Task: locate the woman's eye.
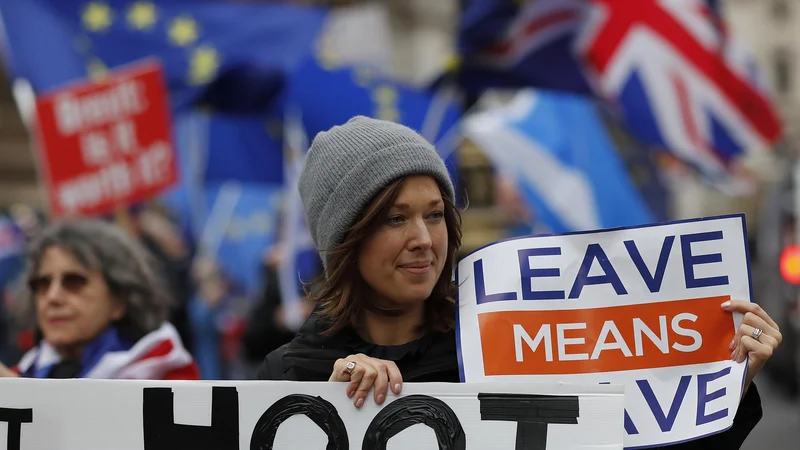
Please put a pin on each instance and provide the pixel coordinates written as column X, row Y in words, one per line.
column 437, row 215
column 396, row 220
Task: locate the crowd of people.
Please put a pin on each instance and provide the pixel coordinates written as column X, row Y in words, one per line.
column 226, row 331
column 124, row 298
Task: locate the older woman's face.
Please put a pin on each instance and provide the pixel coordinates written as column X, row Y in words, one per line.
column 403, row 259
column 73, row 304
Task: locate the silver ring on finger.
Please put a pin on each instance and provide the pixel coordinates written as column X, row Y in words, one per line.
column 350, row 367
column 757, row 332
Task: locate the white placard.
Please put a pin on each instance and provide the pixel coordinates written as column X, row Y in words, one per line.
column 143, row 415
column 636, row 306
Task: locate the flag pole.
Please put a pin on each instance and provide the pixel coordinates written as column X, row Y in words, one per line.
column 296, row 142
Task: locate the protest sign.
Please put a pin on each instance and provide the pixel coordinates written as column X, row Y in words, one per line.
column 106, row 143
column 143, row 415
column 637, row 306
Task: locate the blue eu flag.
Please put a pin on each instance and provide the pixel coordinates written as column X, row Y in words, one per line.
column 328, row 96
column 233, row 55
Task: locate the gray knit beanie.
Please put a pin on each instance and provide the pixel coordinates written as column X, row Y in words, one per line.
column 349, row 164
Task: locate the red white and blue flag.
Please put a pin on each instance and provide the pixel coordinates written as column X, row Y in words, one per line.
column 675, row 76
column 159, row 355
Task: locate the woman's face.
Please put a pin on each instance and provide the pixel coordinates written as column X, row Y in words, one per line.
column 403, row 259
column 73, row 304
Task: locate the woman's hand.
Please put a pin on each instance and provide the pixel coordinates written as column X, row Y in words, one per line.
column 745, row 345
column 5, row 372
column 363, row 373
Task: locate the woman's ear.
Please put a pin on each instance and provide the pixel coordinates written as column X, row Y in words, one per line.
column 118, row 309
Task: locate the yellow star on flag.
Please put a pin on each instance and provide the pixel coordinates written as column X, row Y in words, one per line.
column 96, row 69
column 97, row 16
column 363, row 76
column 328, row 59
column 142, row 15
column 203, row 65
column 390, row 114
column 385, row 95
column 183, row 31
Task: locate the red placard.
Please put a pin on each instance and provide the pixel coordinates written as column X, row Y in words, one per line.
column 106, row 144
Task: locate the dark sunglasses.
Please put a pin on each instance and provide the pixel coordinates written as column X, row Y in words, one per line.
column 71, row 282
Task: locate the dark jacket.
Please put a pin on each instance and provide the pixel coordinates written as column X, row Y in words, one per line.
column 310, row 357
column 263, row 335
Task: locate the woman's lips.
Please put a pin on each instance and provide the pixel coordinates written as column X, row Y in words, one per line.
column 417, row 268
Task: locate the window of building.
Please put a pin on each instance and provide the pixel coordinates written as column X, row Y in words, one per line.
column 783, row 71
column 780, row 9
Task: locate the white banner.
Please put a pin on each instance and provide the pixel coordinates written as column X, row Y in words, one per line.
column 144, row 415
column 639, row 307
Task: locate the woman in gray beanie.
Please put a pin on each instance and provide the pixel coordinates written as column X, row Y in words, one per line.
column 379, row 204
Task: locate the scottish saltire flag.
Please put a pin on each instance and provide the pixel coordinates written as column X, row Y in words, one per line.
column 233, row 55
column 556, row 147
column 675, row 79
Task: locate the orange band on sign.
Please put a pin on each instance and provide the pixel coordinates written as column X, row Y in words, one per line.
column 629, row 337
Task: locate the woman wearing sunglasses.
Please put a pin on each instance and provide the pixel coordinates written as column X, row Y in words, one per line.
column 100, row 309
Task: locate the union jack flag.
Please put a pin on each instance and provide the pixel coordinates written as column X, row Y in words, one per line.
column 676, row 77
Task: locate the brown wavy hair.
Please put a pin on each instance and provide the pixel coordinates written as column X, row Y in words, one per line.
column 343, row 294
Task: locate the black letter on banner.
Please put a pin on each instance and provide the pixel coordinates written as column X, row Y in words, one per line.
column 411, row 410
column 15, row 419
column 162, row 433
column 532, row 414
column 322, row 412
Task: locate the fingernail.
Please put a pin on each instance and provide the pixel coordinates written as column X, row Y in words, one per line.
column 733, row 353
column 726, row 304
column 359, row 402
column 397, row 388
column 350, row 394
column 732, row 345
column 380, row 398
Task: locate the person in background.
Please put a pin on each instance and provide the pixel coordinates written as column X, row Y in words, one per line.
column 29, row 220
column 205, row 309
column 99, row 307
column 165, row 241
column 267, row 328
column 516, row 216
column 379, row 204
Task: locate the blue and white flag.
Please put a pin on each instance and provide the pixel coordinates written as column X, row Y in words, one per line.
column 557, row 149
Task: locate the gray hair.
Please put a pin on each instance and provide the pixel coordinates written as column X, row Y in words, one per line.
column 127, row 267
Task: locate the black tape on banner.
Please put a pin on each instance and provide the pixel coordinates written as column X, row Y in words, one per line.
column 162, row 433
column 15, row 418
column 407, row 411
column 533, row 413
column 319, row 410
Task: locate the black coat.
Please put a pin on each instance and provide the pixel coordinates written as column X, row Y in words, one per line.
column 433, row 358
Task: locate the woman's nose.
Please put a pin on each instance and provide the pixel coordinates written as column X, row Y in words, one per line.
column 420, row 238
column 55, row 291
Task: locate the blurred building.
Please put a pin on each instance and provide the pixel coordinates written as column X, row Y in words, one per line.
column 771, row 29
column 18, row 176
